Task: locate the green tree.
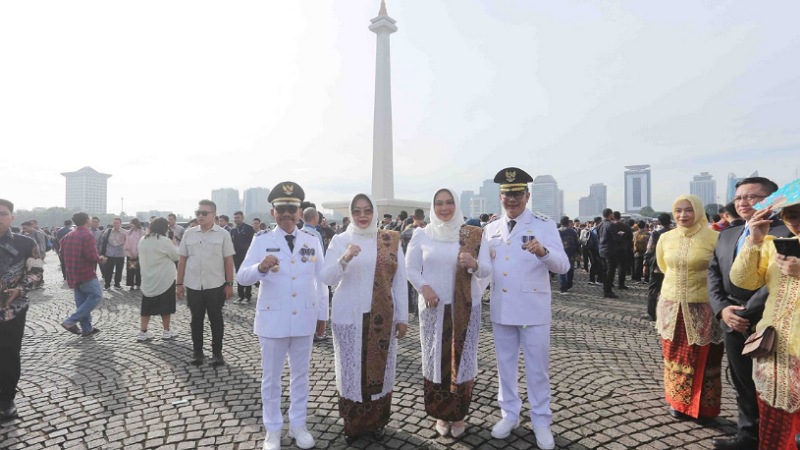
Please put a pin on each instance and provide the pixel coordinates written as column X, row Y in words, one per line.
column 648, row 212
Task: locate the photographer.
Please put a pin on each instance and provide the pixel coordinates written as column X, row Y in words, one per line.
column 20, row 270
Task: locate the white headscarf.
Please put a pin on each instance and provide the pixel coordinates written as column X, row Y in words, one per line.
column 372, row 230
column 442, row 231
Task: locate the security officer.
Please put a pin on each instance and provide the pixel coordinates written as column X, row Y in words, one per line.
column 522, row 248
column 292, row 306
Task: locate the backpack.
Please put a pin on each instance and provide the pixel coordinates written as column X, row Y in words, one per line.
column 48, row 245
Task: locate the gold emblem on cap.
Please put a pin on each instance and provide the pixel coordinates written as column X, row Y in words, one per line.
column 288, row 189
column 511, row 175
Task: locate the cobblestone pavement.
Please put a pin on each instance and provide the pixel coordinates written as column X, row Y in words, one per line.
column 110, row 391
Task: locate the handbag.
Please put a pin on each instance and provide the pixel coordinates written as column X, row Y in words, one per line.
column 760, row 344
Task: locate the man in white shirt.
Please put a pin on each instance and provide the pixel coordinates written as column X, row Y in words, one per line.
column 205, row 279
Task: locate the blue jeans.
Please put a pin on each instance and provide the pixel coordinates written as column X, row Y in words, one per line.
column 565, row 280
column 87, row 296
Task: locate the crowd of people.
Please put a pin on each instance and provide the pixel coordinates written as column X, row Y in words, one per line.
column 715, row 286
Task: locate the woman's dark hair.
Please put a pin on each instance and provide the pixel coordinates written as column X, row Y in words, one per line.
column 158, row 227
column 135, row 223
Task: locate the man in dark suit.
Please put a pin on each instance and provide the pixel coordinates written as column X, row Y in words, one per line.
column 609, row 242
column 739, row 310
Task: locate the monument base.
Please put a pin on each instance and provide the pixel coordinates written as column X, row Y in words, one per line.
column 391, row 206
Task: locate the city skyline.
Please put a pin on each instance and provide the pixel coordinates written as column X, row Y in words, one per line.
column 705, row 187
column 203, row 105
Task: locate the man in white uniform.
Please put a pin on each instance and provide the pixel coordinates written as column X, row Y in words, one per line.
column 292, row 306
column 521, row 248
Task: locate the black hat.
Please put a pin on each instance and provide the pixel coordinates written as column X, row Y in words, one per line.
column 387, row 216
column 286, row 193
column 512, row 179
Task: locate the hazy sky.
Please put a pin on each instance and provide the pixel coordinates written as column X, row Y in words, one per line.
column 177, row 98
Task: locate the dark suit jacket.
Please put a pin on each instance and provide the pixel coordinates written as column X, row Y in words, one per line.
column 608, row 239
column 722, row 293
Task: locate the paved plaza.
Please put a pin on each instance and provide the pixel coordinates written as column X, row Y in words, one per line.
column 112, row 392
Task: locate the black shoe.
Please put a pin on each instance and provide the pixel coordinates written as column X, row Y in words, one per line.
column 349, row 439
column 610, row 295
column 624, row 288
column 677, row 414
column 8, row 412
column 739, row 442
column 198, row 359
column 379, row 434
column 217, row 360
column 94, row 331
column 71, row 328
column 116, row 286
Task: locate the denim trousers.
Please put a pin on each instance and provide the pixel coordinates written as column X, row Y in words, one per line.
column 88, row 295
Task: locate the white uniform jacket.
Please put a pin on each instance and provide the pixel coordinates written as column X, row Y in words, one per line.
column 292, row 299
column 520, row 279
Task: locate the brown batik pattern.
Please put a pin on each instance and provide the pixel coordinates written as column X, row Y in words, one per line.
column 378, row 323
column 365, row 417
column 450, row 400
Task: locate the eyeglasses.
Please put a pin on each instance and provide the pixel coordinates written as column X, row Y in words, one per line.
column 363, row 212
column 291, row 209
column 750, row 198
column 199, row 213
column 514, row 194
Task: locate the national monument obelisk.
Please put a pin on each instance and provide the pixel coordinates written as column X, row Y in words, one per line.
column 382, row 146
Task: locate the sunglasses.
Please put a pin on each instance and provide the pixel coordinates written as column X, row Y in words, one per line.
column 365, row 212
column 199, row 213
column 291, row 209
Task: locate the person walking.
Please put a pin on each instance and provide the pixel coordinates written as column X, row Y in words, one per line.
column 157, row 258
column 81, row 259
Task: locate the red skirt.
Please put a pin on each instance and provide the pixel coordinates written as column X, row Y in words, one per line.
column 692, row 381
column 776, row 427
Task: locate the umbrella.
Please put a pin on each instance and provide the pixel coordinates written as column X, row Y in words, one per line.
column 787, row 195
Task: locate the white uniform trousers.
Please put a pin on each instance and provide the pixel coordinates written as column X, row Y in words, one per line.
column 535, row 341
column 273, row 357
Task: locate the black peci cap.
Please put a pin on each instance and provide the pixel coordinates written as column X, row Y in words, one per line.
column 286, row 193
column 512, row 179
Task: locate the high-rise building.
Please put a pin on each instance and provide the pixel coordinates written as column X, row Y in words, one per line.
column 594, row 204
column 546, row 197
column 732, row 180
column 227, row 200
column 490, row 191
column 477, row 206
column 637, row 188
column 87, row 190
column 464, row 202
column 705, row 187
column 255, row 201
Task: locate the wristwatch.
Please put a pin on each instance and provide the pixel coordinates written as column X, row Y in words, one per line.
column 229, row 283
